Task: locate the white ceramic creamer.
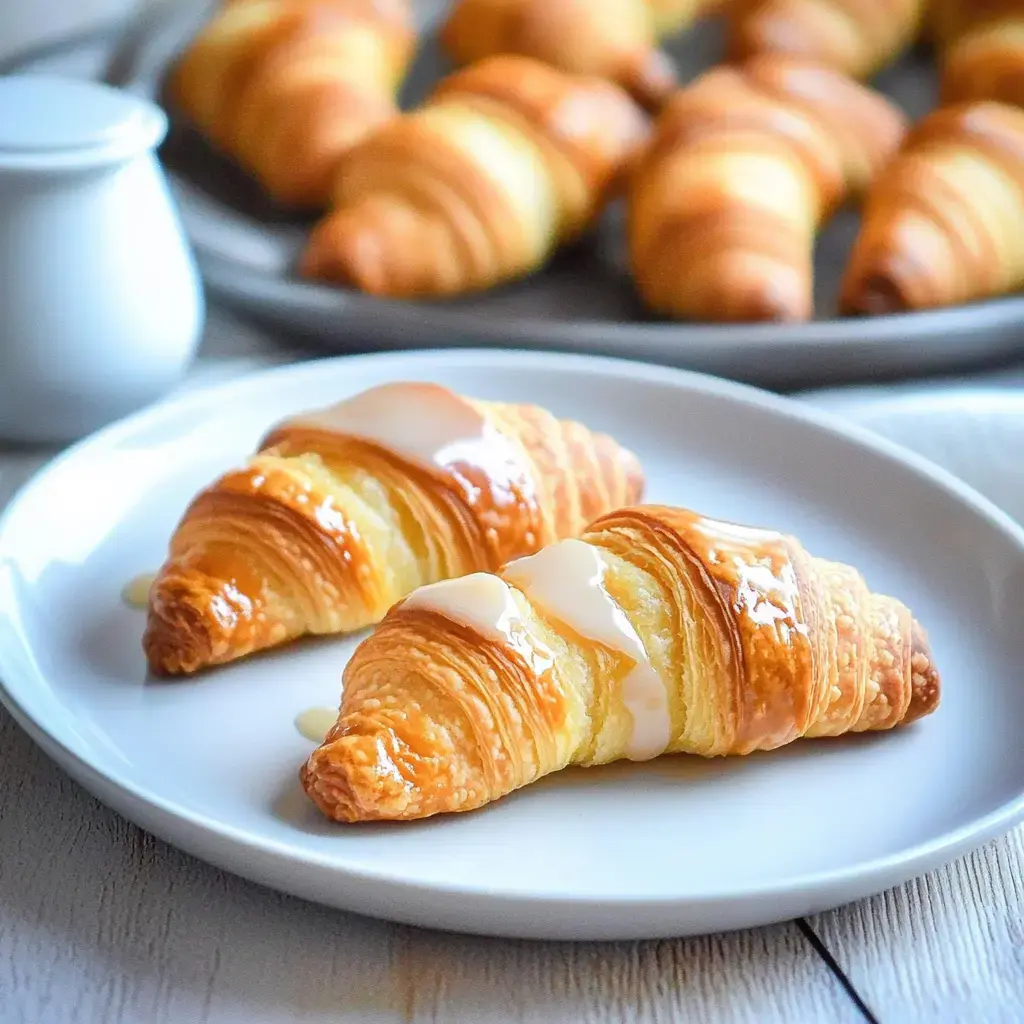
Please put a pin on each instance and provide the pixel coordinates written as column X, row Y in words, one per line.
column 101, row 305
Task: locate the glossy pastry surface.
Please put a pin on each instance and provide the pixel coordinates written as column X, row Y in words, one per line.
column 944, row 223
column 658, row 631
column 507, row 160
column 345, row 510
column 746, row 164
column 287, row 87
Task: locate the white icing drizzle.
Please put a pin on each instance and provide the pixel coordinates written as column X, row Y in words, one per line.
column 567, row 581
column 423, row 423
column 314, row 723
column 484, row 603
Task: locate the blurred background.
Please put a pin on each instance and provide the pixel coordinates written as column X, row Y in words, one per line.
column 27, row 22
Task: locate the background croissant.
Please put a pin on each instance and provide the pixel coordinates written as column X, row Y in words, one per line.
column 286, row 87
column 745, row 165
column 344, row 511
column 982, row 47
column 944, row 223
column 660, row 631
column 506, row 161
column 858, row 37
column 616, row 39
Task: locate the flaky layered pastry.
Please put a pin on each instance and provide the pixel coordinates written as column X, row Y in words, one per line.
column 857, row 37
column 746, row 164
column 658, row 631
column 982, row 50
column 345, row 510
column 944, row 223
column 286, row 87
column 507, row 160
column 615, row 39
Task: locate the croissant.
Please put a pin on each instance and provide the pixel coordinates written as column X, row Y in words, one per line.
column 615, row 39
column 982, row 46
column 658, row 631
column 745, row 164
column 286, row 87
column 345, row 510
column 858, row 37
column 944, row 224
column 507, row 160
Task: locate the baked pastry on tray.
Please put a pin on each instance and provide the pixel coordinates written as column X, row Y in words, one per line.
column 507, row 160
column 981, row 43
column 857, row 37
column 616, row 39
column 286, row 87
column 658, row 631
column 944, row 223
column 745, row 166
column 345, row 510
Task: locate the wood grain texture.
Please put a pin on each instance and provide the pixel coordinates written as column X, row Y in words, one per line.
column 101, row 924
column 948, row 946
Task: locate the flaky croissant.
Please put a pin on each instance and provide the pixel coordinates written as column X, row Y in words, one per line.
column 658, row 632
column 857, row 37
column 746, row 163
column 982, row 50
column 507, row 160
column 345, row 510
column 615, row 39
column 286, row 87
column 944, row 223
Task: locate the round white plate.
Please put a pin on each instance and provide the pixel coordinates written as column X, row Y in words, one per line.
column 976, row 433
column 678, row 846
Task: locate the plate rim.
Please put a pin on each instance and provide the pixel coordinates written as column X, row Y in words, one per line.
column 173, row 820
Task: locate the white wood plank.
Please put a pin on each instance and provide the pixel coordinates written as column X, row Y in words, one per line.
column 102, row 924
column 946, row 947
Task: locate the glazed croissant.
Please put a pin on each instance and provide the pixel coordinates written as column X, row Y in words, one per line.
column 657, row 632
column 982, row 44
column 745, row 165
column 286, row 87
column 944, row 224
column 507, row 160
column 345, row 510
column 615, row 39
column 858, row 37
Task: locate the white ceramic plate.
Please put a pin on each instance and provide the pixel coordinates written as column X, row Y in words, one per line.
column 674, row 847
column 975, row 432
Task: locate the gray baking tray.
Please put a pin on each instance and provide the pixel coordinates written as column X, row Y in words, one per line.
column 584, row 301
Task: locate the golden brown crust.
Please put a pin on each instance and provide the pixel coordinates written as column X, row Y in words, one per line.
column 756, row 641
column 856, row 37
column 286, row 87
column 944, row 223
column 506, row 161
column 612, row 39
column 745, row 164
column 982, row 50
column 322, row 532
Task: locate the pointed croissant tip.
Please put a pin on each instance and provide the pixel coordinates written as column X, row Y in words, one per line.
column 336, row 253
column 926, row 684
column 177, row 639
column 651, row 80
column 349, row 782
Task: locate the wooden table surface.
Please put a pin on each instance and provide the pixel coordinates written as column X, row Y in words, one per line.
column 100, row 923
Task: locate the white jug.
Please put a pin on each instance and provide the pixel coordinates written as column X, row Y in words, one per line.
column 101, row 305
